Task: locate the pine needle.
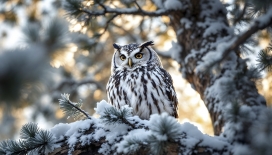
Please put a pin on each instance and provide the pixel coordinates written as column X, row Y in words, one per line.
column 72, row 109
column 29, row 130
column 265, row 60
column 113, row 115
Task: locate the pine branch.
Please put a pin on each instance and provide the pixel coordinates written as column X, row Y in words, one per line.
column 72, row 109
column 73, row 83
column 108, row 23
column 113, row 115
column 241, row 15
column 265, row 60
column 138, row 6
column 33, row 141
column 29, row 130
column 257, row 25
column 75, row 8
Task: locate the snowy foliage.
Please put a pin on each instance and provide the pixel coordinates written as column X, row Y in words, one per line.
column 33, row 141
column 128, row 134
column 159, row 132
column 173, row 5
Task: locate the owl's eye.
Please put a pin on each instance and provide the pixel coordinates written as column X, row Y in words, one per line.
column 138, row 55
column 122, row 57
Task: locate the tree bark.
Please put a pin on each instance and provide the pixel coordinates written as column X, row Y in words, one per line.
column 196, row 43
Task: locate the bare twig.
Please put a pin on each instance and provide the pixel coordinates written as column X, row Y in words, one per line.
column 103, row 6
column 78, row 83
column 134, row 38
column 82, row 111
column 108, row 23
column 139, row 7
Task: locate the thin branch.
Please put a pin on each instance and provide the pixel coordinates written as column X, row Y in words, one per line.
column 78, row 83
column 107, row 24
column 258, row 24
column 128, row 123
column 103, row 6
column 82, row 111
column 134, row 38
column 126, row 11
column 139, row 7
column 236, row 20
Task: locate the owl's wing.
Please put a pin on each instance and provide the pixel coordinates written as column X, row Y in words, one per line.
column 170, row 91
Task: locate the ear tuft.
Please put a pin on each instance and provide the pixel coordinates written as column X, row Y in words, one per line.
column 148, row 43
column 117, row 46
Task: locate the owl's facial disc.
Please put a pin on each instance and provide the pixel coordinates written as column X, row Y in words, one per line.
column 131, row 59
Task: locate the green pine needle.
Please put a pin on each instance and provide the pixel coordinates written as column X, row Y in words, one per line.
column 113, row 115
column 72, row 109
column 73, row 7
column 29, row 130
column 33, row 141
column 270, row 46
column 133, row 144
column 3, row 147
column 164, row 129
column 265, row 60
column 157, row 147
column 55, row 34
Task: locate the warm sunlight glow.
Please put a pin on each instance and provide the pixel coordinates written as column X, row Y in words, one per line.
column 97, row 94
column 191, row 107
column 64, row 57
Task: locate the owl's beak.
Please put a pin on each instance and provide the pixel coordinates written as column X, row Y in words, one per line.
column 130, row 62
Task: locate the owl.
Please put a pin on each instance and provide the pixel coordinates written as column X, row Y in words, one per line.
column 139, row 80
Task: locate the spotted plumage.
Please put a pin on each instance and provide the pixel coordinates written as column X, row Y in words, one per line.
column 138, row 80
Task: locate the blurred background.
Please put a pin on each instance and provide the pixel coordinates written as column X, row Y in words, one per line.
column 45, row 52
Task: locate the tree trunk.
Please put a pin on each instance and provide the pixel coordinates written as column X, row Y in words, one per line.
column 198, row 34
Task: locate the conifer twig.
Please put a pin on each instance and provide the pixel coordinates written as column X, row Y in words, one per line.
column 69, row 106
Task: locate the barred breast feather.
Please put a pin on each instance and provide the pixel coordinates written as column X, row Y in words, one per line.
column 147, row 90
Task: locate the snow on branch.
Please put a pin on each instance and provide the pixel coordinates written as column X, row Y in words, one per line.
column 33, row 141
column 76, row 7
column 109, row 135
column 162, row 134
column 259, row 24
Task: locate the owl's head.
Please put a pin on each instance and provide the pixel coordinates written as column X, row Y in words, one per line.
column 134, row 55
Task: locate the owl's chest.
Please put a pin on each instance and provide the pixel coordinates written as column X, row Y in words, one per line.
column 131, row 81
column 141, row 81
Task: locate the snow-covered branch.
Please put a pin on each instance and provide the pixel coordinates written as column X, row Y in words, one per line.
column 204, row 44
column 257, row 25
column 160, row 134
